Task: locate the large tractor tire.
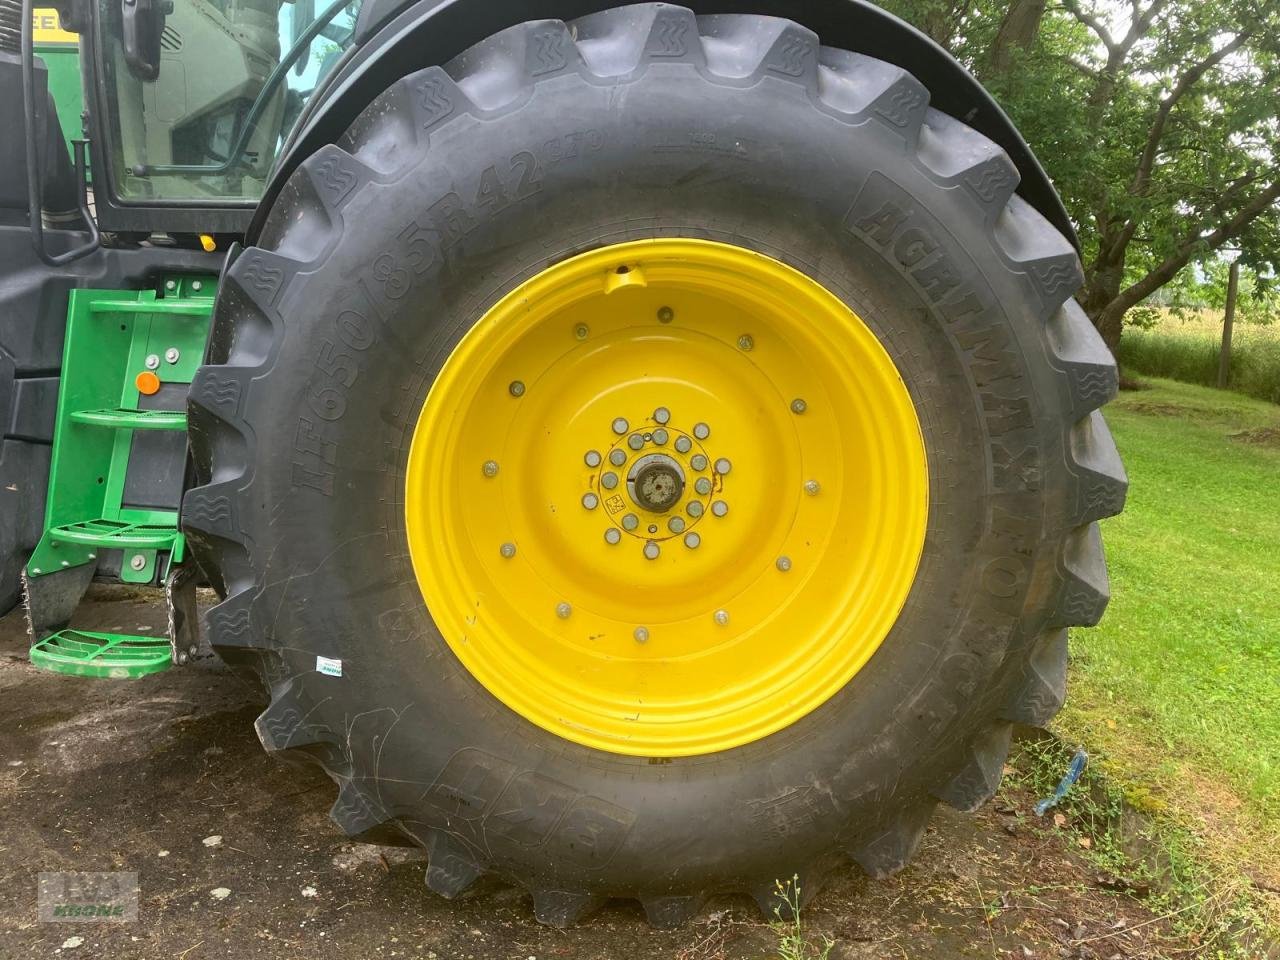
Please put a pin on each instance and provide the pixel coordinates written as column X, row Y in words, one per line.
column 651, row 456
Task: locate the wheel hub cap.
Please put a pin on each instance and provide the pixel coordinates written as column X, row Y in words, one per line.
column 695, row 520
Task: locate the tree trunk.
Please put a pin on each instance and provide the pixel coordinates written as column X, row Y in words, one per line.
column 1018, row 32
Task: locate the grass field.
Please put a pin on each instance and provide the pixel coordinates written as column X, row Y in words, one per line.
column 1179, row 688
column 1188, row 349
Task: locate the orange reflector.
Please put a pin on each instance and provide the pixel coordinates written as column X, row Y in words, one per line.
column 206, row 241
column 147, row 382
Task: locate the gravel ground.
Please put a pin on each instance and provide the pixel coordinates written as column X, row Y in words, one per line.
column 141, row 775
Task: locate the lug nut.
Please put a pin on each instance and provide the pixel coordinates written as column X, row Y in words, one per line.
column 152, row 361
column 694, row 509
column 702, row 485
column 590, row 501
column 508, row 550
column 612, row 536
column 516, row 388
column 723, row 466
column 691, row 540
column 592, row 459
column 172, row 355
column 620, row 426
column 609, row 480
column 701, row 431
column 659, row 436
column 666, row 314
column 783, row 564
column 811, row 487
column 581, row 331
column 490, row 468
column 798, row 406
column 698, row 461
column 719, row 508
column 683, row 444
column 651, row 551
column 641, row 634
column 675, row 525
column 721, row 617
column 563, row 610
column 630, row 521
column 617, row 457
column 138, row 561
column 635, row 441
column 662, row 415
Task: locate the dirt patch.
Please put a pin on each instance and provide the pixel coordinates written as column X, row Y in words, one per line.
column 136, row 775
column 1130, row 383
column 1263, row 436
column 1155, row 408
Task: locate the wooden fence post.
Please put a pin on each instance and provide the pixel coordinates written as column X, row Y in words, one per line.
column 1228, row 321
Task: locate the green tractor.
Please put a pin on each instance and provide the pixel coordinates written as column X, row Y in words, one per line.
column 640, row 451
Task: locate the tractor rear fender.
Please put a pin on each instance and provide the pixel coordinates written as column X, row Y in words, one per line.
column 394, row 38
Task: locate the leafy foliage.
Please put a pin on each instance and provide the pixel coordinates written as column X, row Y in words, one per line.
column 1158, row 120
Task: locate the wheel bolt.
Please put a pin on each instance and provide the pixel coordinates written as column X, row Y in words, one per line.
column 798, row 406
column 662, row 415
column 666, row 314
column 617, row 457
column 675, row 524
column 698, row 461
column 516, row 389
column 490, row 468
column 691, row 540
column 651, row 550
column 783, row 564
column 701, row 431
column 702, row 485
column 592, row 459
column 723, row 466
column 746, row 342
column 694, row 509
column 719, row 508
column 563, row 610
column 721, row 617
column 581, row 331
column 683, row 444
column 508, row 550
column 635, row 441
column 612, row 536
column 811, row 487
column 641, row 634
column 609, row 480
column 630, row 522
column 590, row 501
column 620, row 426
column 659, row 436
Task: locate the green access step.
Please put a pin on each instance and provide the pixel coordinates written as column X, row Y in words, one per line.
column 122, row 419
column 115, row 656
column 171, row 306
column 115, row 534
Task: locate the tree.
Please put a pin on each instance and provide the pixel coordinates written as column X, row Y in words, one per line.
column 1159, row 121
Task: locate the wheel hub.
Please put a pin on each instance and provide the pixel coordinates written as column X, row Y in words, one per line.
column 696, row 518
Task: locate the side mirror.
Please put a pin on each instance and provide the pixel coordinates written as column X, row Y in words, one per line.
column 142, row 22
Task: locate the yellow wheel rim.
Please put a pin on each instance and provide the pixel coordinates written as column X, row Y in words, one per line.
column 666, row 498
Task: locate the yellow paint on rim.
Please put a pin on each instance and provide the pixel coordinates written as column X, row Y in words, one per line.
column 746, row 616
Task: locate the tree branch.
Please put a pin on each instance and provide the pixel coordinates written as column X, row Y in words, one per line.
column 1168, row 268
column 1142, row 176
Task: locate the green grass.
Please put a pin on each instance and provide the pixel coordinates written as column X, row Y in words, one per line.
column 1188, row 350
column 1180, row 684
